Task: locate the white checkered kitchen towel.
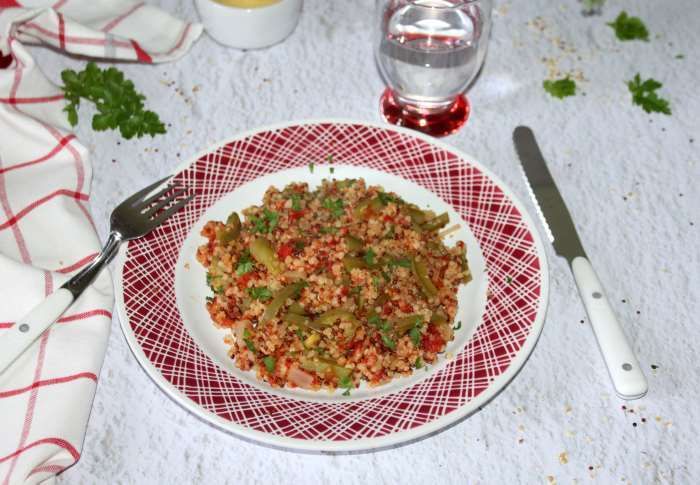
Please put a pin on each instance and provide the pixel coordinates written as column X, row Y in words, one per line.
column 46, row 233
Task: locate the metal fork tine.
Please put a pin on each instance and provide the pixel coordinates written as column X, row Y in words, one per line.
column 143, row 192
column 145, row 203
column 152, row 210
column 172, row 210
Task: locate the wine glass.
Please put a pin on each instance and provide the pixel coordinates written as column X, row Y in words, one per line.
column 428, row 52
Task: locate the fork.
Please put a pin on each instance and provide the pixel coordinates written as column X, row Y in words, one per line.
column 135, row 217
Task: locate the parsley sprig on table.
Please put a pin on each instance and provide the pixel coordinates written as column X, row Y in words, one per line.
column 118, row 104
column 560, row 88
column 644, row 95
column 629, row 28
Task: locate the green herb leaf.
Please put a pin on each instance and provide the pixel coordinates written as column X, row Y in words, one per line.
column 311, row 167
column 680, row 56
column 419, row 363
column 331, row 170
column 375, row 320
column 644, row 95
column 335, row 206
column 369, row 257
column 247, row 341
column 629, row 28
column 388, row 342
column 458, row 326
column 296, row 202
column 560, row 88
column 345, row 381
column 245, row 264
column 270, row 362
column 299, row 334
column 328, row 230
column 347, row 392
column 265, row 223
column 118, row 104
column 509, row 280
column 259, row 293
column 415, row 335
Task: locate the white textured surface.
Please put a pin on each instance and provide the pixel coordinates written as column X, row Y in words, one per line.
column 630, row 180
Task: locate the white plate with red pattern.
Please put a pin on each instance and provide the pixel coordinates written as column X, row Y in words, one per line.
column 161, row 289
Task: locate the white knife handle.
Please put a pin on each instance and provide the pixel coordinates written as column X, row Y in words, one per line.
column 627, row 376
column 22, row 334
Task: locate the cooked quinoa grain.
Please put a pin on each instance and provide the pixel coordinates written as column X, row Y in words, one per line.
column 330, row 287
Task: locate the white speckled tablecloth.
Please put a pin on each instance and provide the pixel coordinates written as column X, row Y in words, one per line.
column 630, row 180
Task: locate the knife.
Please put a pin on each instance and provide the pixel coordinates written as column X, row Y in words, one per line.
column 623, row 367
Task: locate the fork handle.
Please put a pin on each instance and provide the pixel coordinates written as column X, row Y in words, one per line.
column 623, row 367
column 23, row 333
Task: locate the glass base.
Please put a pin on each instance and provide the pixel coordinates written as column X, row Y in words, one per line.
column 431, row 122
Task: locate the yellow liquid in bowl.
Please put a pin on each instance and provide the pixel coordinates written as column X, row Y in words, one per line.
column 247, row 3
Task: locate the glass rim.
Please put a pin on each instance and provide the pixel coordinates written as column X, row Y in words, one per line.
column 456, row 4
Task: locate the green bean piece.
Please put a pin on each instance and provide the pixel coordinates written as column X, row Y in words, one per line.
column 262, row 251
column 329, row 318
column 404, row 324
column 361, row 207
column 314, row 366
column 297, row 309
column 351, row 262
column 417, row 216
column 420, row 271
column 353, row 243
column 437, row 222
column 438, row 318
column 278, row 301
column 303, row 322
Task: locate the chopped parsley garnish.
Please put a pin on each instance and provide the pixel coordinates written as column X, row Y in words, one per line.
column 509, row 280
column 329, row 159
column 458, row 326
column 267, row 222
column 415, row 335
column 328, row 230
column 680, row 56
column 209, row 280
column 345, row 381
column 331, row 169
column 375, row 320
column 629, row 28
column 419, row 363
column 376, row 281
column 347, row 392
column 247, row 341
column 369, row 257
column 299, row 334
column 296, row 202
column 259, row 293
column 311, row 167
column 560, row 88
column 644, row 95
column 335, row 206
column 388, row 342
column 270, row 362
column 245, row 264
column 210, row 299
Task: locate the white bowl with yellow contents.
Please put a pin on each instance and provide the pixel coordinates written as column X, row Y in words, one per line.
column 249, row 24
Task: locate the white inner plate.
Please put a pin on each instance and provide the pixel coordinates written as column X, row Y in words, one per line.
column 191, row 288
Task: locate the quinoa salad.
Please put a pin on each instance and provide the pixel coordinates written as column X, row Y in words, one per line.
column 326, row 288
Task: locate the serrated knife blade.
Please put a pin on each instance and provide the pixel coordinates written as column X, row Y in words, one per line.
column 623, row 367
